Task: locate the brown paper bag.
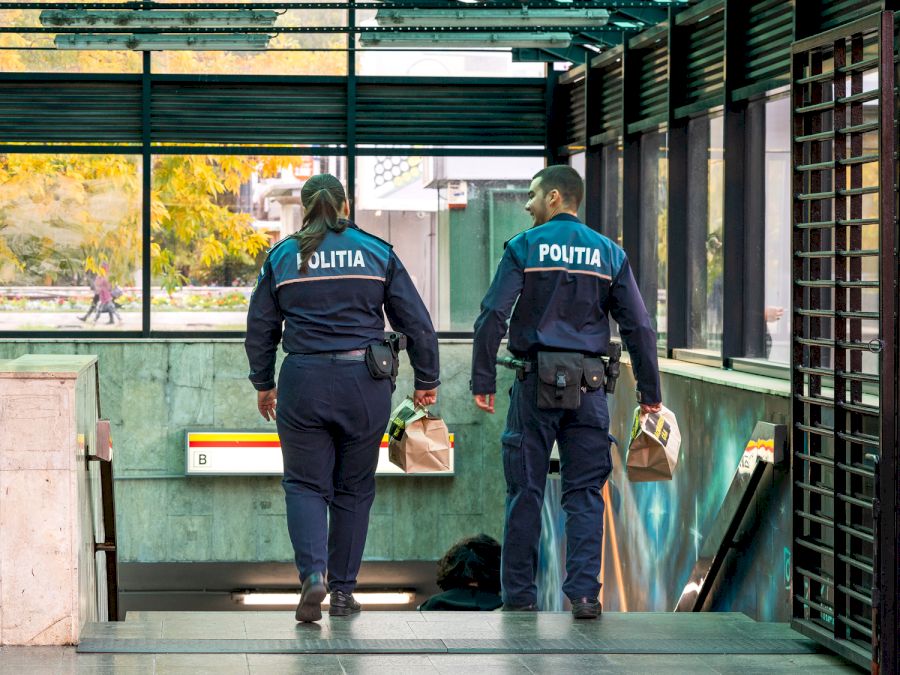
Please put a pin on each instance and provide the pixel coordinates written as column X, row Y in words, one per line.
column 654, row 445
column 418, row 441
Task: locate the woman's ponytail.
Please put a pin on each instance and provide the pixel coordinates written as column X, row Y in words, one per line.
column 322, row 197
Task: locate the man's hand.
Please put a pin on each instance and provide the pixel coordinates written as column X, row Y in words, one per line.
column 485, row 402
column 647, row 408
column 425, row 397
column 266, row 401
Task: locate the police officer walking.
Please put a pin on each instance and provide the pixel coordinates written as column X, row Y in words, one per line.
column 568, row 279
column 330, row 286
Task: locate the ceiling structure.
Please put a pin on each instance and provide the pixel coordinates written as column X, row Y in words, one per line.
column 536, row 30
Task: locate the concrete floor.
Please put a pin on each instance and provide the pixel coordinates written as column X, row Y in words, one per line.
column 431, row 642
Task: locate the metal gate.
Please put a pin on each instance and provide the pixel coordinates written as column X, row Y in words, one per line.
column 844, row 368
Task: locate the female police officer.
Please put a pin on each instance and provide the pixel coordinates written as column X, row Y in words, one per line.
column 328, row 285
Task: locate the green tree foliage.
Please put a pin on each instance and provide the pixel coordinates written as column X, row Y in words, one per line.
column 61, row 216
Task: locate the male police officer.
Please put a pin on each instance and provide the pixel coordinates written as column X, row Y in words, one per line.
column 568, row 279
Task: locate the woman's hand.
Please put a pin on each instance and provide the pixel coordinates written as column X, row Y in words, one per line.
column 267, row 401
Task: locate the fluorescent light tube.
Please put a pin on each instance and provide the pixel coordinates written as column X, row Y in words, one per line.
column 473, row 40
column 492, row 17
column 292, row 599
column 154, row 42
column 153, row 18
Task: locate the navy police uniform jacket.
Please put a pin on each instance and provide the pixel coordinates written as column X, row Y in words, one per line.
column 337, row 305
column 568, row 280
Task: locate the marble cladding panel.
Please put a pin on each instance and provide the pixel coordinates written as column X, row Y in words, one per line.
column 38, row 558
column 48, row 508
column 36, row 429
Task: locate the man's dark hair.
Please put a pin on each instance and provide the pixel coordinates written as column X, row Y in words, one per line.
column 474, row 560
column 566, row 180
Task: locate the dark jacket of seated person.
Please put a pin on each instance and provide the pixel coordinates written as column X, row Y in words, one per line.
column 469, row 576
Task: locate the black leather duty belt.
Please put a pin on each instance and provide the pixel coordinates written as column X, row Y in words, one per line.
column 352, row 355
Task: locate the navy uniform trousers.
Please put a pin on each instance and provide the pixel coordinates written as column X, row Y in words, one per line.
column 331, row 418
column 585, row 463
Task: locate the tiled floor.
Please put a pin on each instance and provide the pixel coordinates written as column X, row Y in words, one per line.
column 467, row 643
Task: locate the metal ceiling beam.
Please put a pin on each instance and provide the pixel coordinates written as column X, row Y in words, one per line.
column 271, row 30
column 612, row 5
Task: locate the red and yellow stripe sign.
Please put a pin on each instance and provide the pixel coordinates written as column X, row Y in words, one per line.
column 247, row 439
column 760, row 444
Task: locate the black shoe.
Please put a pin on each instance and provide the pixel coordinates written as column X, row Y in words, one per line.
column 311, row 597
column 585, row 608
column 343, row 604
column 519, row 608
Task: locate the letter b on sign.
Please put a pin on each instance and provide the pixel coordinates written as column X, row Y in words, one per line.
column 201, row 459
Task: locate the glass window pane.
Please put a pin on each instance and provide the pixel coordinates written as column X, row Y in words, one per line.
column 393, row 60
column 70, row 242
column 578, row 161
column 36, row 53
column 447, row 218
column 654, row 229
column 214, row 219
column 706, row 173
column 310, row 53
column 611, row 209
column 777, row 276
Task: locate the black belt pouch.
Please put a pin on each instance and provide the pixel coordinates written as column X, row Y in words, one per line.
column 380, row 361
column 559, row 380
column 594, row 373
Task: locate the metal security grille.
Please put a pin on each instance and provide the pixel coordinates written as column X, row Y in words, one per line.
column 608, row 108
column 77, row 110
column 219, row 110
column 451, row 112
column 705, row 69
column 844, row 342
column 768, row 41
column 652, row 72
column 575, row 115
column 259, row 112
column 836, row 12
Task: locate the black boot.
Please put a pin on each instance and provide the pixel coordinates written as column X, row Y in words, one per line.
column 343, row 604
column 585, row 608
column 311, row 596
